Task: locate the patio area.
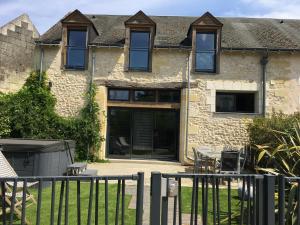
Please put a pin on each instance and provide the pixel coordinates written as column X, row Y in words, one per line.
column 128, row 167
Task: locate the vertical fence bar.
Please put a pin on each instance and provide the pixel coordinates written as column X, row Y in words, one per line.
column 106, row 201
column 61, row 197
column 155, row 207
column 254, row 202
column 196, row 199
column 78, row 204
column 298, row 200
column 179, row 202
column 3, row 204
column 39, row 203
column 23, row 220
column 89, row 219
column 67, row 202
column 175, row 210
column 242, row 203
column 13, row 201
column 269, row 200
column 123, row 203
column 118, row 203
column 140, row 199
column 203, row 199
column 214, row 199
column 52, row 202
column 229, row 200
column 218, row 201
column 260, row 202
column 192, row 202
column 206, row 200
column 97, row 203
column 281, row 199
column 248, row 199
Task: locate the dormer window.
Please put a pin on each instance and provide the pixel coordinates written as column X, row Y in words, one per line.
column 76, row 49
column 205, row 52
column 77, row 31
column 139, row 50
column 205, row 33
column 139, row 40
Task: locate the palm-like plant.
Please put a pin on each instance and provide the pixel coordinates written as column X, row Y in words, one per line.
column 283, row 159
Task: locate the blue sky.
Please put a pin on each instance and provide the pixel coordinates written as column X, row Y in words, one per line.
column 44, row 13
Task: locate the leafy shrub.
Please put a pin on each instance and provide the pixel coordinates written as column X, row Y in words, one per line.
column 261, row 131
column 30, row 113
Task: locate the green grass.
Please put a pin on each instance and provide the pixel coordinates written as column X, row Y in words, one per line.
column 235, row 206
column 85, row 189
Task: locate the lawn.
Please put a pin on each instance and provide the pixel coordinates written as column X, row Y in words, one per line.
column 129, row 213
column 235, row 206
column 85, row 188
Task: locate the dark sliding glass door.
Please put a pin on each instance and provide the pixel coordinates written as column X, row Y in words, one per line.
column 142, row 133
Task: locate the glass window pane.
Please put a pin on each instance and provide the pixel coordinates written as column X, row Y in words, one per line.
column 139, row 40
column 235, row 102
column 169, row 96
column 138, row 59
column 225, row 102
column 205, row 61
column 205, row 41
column 144, row 95
column 75, row 57
column 119, row 95
column 77, row 38
column 245, row 102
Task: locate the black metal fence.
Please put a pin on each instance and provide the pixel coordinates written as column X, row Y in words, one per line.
column 64, row 200
column 175, row 199
column 224, row 199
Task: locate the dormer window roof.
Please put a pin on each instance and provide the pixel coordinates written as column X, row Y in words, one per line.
column 140, row 33
column 205, row 33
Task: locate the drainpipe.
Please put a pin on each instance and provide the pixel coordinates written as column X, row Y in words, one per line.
column 187, row 110
column 264, row 61
column 41, row 64
column 93, row 68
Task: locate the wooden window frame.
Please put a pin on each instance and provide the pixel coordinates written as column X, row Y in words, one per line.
column 149, row 51
column 235, row 93
column 65, row 36
column 214, row 51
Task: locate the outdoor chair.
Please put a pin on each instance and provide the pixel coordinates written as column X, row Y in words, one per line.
column 7, row 171
column 203, row 162
column 230, row 162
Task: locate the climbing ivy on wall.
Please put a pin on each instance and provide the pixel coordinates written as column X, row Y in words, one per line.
column 30, row 113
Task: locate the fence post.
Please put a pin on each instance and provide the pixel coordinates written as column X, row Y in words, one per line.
column 140, row 199
column 259, row 201
column 155, row 204
column 281, row 200
column 269, row 199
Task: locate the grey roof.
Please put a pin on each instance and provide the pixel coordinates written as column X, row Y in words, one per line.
column 171, row 31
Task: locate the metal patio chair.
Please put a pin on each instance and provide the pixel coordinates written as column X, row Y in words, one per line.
column 7, row 171
column 203, row 162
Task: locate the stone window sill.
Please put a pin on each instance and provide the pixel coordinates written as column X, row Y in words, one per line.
column 237, row 113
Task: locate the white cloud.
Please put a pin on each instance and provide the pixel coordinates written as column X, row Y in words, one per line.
column 273, row 8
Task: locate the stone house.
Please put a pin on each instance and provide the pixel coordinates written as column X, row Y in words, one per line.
column 167, row 84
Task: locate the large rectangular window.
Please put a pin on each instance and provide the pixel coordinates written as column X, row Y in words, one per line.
column 76, row 49
column 235, row 102
column 139, row 50
column 205, row 60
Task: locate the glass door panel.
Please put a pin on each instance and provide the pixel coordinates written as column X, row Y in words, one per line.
column 142, row 134
column 119, row 133
column 165, row 134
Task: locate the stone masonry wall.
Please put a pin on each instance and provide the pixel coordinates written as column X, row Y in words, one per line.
column 69, row 86
column 240, row 71
column 17, row 50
